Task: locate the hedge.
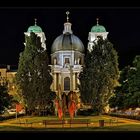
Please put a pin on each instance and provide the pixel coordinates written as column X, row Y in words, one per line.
column 2, row 118
column 124, row 116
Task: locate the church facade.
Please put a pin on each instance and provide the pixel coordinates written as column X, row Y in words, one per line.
column 67, row 55
column 67, row 58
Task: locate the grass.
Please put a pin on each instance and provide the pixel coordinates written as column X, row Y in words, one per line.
column 123, row 124
column 116, row 128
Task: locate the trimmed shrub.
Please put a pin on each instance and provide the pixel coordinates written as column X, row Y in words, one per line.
column 84, row 112
column 124, row 116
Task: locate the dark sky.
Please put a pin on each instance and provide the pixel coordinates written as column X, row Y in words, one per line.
column 123, row 25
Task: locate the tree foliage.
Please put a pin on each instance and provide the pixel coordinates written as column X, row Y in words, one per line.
column 33, row 75
column 121, row 93
column 129, row 90
column 99, row 75
column 5, row 98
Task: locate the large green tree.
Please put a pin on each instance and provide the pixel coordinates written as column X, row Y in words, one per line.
column 33, row 76
column 127, row 95
column 133, row 96
column 134, row 83
column 99, row 75
column 121, row 94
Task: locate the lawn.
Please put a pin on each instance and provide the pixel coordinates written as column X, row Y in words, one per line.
column 122, row 125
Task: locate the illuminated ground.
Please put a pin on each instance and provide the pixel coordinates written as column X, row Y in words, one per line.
column 122, row 125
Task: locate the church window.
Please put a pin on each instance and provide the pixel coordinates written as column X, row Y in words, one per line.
column 66, row 83
column 55, row 61
column 66, row 65
column 67, row 60
column 79, row 60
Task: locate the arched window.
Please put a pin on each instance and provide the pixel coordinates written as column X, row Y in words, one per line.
column 66, row 83
column 55, row 61
column 79, row 60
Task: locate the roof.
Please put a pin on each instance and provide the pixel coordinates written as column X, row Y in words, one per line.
column 35, row 29
column 98, row 28
column 66, row 42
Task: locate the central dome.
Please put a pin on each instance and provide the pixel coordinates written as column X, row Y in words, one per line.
column 66, row 42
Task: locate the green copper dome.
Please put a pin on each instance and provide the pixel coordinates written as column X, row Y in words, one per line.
column 35, row 29
column 98, row 28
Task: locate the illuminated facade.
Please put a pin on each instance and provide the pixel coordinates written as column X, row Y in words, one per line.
column 96, row 30
column 7, row 75
column 67, row 57
column 38, row 31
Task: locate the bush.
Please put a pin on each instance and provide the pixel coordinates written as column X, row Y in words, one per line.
column 85, row 112
column 3, row 118
column 125, row 116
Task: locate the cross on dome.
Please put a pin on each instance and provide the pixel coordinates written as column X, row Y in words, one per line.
column 67, row 13
column 97, row 21
column 35, row 21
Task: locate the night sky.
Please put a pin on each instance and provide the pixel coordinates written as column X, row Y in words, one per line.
column 123, row 25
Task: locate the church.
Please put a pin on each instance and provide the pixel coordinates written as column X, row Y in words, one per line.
column 67, row 55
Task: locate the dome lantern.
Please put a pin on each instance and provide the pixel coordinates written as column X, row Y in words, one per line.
column 67, row 25
column 67, row 41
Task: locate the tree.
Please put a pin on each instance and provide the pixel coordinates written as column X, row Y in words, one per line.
column 134, row 83
column 33, row 75
column 99, row 75
column 127, row 94
column 5, row 98
column 121, row 94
